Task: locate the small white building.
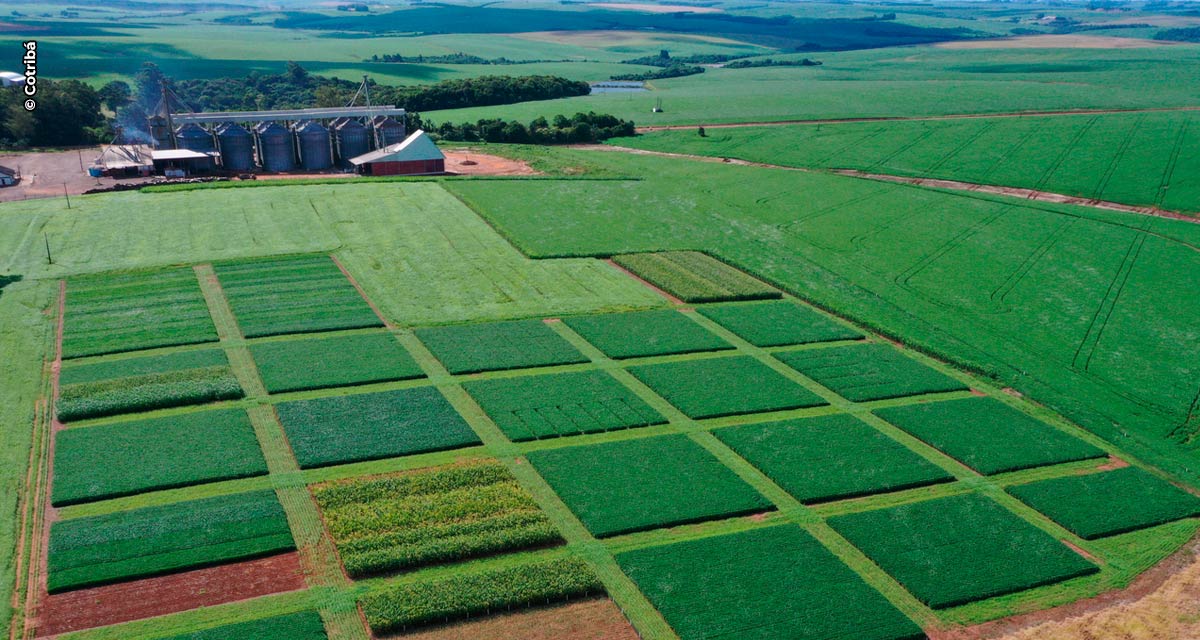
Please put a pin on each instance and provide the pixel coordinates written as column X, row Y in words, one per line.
column 10, row 79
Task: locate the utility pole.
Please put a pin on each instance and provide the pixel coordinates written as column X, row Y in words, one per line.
column 67, row 195
column 81, row 160
column 49, row 258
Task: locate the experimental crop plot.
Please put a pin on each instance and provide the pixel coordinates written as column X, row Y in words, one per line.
column 952, row 551
column 300, row 294
column 494, row 346
column 635, row 485
column 370, row 426
column 297, row 365
column 305, row 625
column 715, row 387
column 866, row 372
column 830, row 458
column 988, row 435
column 146, row 383
column 126, row 458
column 562, row 404
column 777, row 323
column 693, row 276
column 112, row 313
column 645, row 333
column 383, row 524
column 1103, row 504
column 774, row 582
column 465, row 595
column 126, row 545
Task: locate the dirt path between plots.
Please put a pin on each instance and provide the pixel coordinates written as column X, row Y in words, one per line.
column 1161, row 604
column 951, row 116
column 111, row 604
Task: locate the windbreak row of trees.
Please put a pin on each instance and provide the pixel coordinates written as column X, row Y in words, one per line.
column 576, row 129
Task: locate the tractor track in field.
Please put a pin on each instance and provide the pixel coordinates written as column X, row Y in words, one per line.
column 952, row 116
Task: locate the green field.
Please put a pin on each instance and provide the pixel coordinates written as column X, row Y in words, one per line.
column 634, row 485
column 305, row 625
column 952, row 551
column 97, row 550
column 1105, row 504
column 692, row 276
column 730, row 586
column 135, row 311
column 297, row 365
column 292, row 295
column 715, row 387
column 774, row 324
column 861, row 373
column 645, row 333
column 988, row 436
column 830, row 458
column 384, row 524
column 498, row 345
column 369, row 426
column 561, row 404
column 126, row 458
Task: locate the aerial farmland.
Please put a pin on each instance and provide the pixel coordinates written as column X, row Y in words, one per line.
column 671, row 321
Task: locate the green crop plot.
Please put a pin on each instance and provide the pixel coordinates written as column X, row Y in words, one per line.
column 777, row 323
column 635, row 485
column 292, row 295
column 127, row 545
column 775, row 582
column 693, row 276
column 715, row 387
column 470, row 594
column 1107, row 503
column 865, row 372
column 383, row 524
column 829, row 458
column 146, row 383
column 645, row 333
column 296, row 365
column 955, row 550
column 494, row 346
column 988, row 435
column 126, row 312
column 561, row 404
column 370, row 426
column 125, row 458
column 305, row 625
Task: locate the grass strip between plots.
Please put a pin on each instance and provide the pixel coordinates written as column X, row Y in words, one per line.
column 384, row 524
column 470, row 594
column 126, row 545
column 1108, row 503
column 126, row 458
column 298, row 365
column 693, row 276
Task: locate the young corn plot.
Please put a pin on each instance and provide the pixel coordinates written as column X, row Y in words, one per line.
column 693, row 276
column 112, row 313
column 866, row 372
column 777, row 323
column 300, row 294
column 319, row 363
column 645, row 333
column 146, row 383
column 132, row 457
column 384, row 524
column 563, row 404
column 126, row 545
column 747, row 386
column 496, row 346
column 466, row 595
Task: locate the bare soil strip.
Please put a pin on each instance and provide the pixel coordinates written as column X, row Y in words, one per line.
column 596, row 619
column 100, row 606
column 952, row 116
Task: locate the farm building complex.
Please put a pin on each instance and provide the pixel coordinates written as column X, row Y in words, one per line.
column 416, row 155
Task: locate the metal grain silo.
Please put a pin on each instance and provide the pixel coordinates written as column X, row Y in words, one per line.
column 160, row 133
column 315, row 153
column 195, row 137
column 237, row 147
column 352, row 138
column 275, row 151
column 390, row 131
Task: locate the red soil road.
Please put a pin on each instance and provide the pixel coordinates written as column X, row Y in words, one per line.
column 111, row 604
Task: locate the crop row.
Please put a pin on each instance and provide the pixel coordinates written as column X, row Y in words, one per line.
column 695, row 277
column 147, row 392
column 467, row 595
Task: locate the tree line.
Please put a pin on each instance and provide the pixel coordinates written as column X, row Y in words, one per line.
column 577, row 129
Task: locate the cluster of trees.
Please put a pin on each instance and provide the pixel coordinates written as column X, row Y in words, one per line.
column 452, row 58
column 664, row 59
column 67, row 114
column 672, row 71
column 480, row 92
column 579, row 128
column 770, row 62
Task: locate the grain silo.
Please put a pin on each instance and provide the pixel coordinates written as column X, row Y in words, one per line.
column 160, row 133
column 195, row 137
column 237, row 147
column 388, row 131
column 275, row 151
column 352, row 138
column 315, row 152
